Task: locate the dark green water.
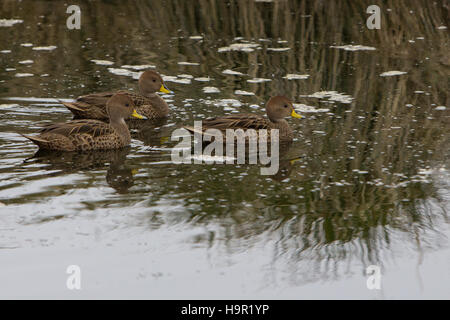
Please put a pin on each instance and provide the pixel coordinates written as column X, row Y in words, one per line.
column 370, row 184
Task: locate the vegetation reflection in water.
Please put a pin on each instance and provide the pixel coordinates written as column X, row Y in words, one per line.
column 371, row 169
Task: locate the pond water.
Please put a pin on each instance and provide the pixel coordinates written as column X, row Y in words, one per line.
column 365, row 182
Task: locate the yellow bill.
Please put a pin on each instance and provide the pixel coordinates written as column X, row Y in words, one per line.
column 137, row 115
column 163, row 140
column 295, row 114
column 164, row 89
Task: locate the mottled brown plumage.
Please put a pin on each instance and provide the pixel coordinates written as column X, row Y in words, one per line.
column 148, row 103
column 277, row 109
column 84, row 135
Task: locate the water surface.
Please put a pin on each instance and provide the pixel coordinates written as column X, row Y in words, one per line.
column 369, row 184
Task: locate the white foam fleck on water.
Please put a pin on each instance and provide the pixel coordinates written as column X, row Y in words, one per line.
column 244, row 47
column 45, row 48
column 227, row 103
column 303, row 108
column 182, row 81
column 203, row 79
column 136, row 75
column 21, row 75
column 419, row 91
column 360, row 171
column 392, row 73
column 258, row 80
column 139, row 67
column 425, row 172
column 350, row 47
column 291, row 76
column 196, row 37
column 210, row 90
column 26, row 44
column 5, row 51
column 176, row 79
column 9, row 106
column 169, row 78
column 10, row 69
column 9, row 22
column 278, row 49
column 103, row 62
column 243, row 93
column 441, row 27
column 123, row 72
column 331, row 95
column 440, row 108
column 26, row 61
column 187, row 76
column 186, row 63
column 231, row 72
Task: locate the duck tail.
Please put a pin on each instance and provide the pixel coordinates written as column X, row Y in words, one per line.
column 36, row 140
column 72, row 107
column 192, row 129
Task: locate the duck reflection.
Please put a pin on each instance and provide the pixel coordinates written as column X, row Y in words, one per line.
column 118, row 175
column 152, row 133
column 286, row 159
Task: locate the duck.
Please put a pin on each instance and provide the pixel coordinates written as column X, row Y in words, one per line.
column 88, row 134
column 148, row 103
column 277, row 109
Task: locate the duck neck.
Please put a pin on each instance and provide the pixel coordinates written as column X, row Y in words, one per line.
column 285, row 129
column 120, row 126
column 158, row 103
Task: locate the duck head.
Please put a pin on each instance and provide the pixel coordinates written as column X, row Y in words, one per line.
column 280, row 107
column 121, row 107
column 150, row 82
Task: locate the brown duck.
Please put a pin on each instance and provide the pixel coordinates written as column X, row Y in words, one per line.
column 148, row 103
column 85, row 135
column 277, row 109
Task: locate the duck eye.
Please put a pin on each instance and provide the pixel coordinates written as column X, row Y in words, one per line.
column 285, row 105
column 127, row 104
column 154, row 80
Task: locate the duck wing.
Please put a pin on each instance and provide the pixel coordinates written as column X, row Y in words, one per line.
column 236, row 121
column 98, row 98
column 93, row 128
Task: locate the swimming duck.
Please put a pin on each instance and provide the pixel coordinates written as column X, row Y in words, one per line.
column 277, row 108
column 148, row 103
column 85, row 135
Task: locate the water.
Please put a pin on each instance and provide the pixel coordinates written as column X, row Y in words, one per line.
column 365, row 182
